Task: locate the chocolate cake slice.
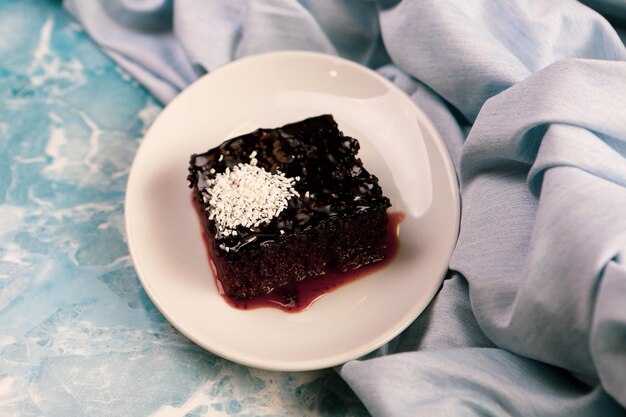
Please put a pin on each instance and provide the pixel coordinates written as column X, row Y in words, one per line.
column 283, row 205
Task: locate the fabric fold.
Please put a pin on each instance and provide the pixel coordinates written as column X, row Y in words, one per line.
column 479, row 382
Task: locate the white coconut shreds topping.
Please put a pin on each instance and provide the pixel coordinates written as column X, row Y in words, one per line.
column 247, row 196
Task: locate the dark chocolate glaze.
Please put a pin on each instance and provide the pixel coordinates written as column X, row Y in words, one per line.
column 314, row 150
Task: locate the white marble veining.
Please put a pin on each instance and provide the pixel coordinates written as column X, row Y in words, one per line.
column 78, row 335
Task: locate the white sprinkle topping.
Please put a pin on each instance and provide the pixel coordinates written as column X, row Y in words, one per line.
column 253, row 155
column 282, row 232
column 253, row 162
column 221, row 158
column 247, row 196
column 212, row 171
column 306, row 194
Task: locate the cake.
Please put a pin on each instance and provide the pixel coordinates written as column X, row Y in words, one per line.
column 282, row 205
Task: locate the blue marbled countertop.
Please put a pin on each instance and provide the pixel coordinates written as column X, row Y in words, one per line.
column 78, row 335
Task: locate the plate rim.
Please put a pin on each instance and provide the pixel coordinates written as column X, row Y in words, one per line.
column 340, row 358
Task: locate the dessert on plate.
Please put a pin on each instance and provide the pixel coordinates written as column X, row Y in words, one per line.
column 283, row 205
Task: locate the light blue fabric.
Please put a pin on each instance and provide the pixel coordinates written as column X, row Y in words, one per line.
column 530, row 96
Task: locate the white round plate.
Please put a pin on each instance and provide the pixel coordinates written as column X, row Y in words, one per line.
column 398, row 144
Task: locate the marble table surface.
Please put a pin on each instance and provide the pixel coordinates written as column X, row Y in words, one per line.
column 78, row 335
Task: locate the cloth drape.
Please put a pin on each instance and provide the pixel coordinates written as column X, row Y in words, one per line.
column 530, row 97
